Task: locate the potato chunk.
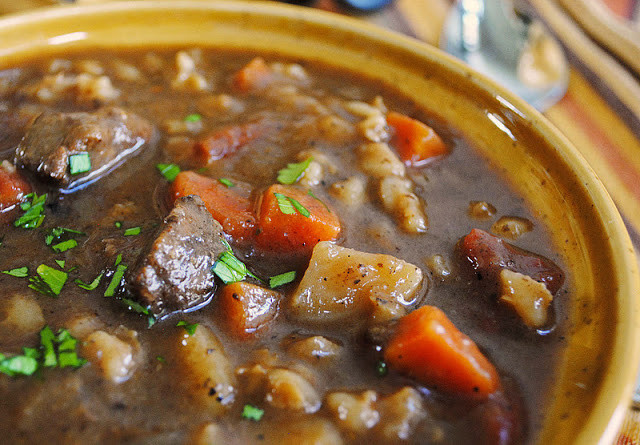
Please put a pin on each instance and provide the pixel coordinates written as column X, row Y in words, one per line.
column 205, row 371
column 316, row 349
column 529, row 298
column 354, row 413
column 399, row 414
column 113, row 356
column 344, row 284
column 289, row 390
column 22, row 315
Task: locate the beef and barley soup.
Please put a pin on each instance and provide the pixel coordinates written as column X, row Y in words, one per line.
column 200, row 246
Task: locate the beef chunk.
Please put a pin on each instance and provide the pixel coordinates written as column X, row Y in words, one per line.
column 109, row 135
column 176, row 274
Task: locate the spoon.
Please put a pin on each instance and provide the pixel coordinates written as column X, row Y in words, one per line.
column 510, row 48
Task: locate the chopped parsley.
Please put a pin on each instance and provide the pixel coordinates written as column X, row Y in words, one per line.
column 293, row 172
column 226, row 182
column 282, row 279
column 33, row 212
column 381, row 368
column 195, row 117
column 229, row 268
column 161, row 359
column 251, row 412
column 48, row 281
column 67, row 355
column 310, row 193
column 18, row 364
column 56, row 234
column 189, row 327
column 289, row 206
column 64, row 246
column 79, row 163
column 133, row 231
column 116, row 279
column 47, row 337
column 19, row 272
column 169, row 171
column 60, row 263
column 90, row 286
column 118, row 224
column 140, row 309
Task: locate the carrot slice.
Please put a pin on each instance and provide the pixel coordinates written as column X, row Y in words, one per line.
column 428, row 347
column 253, row 76
column 415, row 142
column 233, row 211
column 295, row 232
column 228, row 140
column 13, row 188
column 246, row 308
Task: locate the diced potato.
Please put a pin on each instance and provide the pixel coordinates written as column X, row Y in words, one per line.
column 399, row 200
column 481, row 210
column 528, row 298
column 379, row 161
column 316, row 349
column 289, row 390
column 313, row 175
column 343, row 284
column 205, row 371
column 311, row 431
column 439, row 267
column 399, row 414
column 22, row 315
column 113, row 356
column 511, row 227
column 82, row 325
column 351, row 191
column 353, row 413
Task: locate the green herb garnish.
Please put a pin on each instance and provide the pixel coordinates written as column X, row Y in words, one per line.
column 19, row 272
column 118, row 224
column 57, row 232
column 79, row 163
column 169, row 171
column 282, row 279
column 310, row 193
column 195, row 117
column 189, row 327
column 47, row 338
column 226, row 182
column 18, row 365
column 293, row 172
column 161, row 359
column 381, row 368
column 251, row 412
column 229, row 268
column 67, row 355
column 91, row 286
column 33, row 212
column 116, row 279
column 64, row 246
column 133, row 231
column 48, row 281
column 140, row 309
column 289, row 206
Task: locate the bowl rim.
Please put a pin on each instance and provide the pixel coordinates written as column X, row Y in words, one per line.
column 618, row 384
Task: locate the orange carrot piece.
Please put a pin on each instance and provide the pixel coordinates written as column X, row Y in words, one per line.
column 428, row 347
column 13, row 188
column 228, row 140
column 233, row 211
column 415, row 142
column 294, row 233
column 253, row 76
column 246, row 308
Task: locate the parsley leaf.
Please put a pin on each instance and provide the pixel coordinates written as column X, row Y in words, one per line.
column 56, row 233
column 289, row 206
column 47, row 338
column 189, row 327
column 65, row 245
column 48, row 281
column 310, row 193
column 91, row 286
column 169, row 171
column 226, row 182
column 140, row 309
column 79, row 163
column 19, row 272
column 195, row 117
column 33, row 212
column 116, row 279
column 251, row 412
column 118, row 224
column 282, row 279
column 18, row 365
column 293, row 172
column 132, row 231
column 67, row 355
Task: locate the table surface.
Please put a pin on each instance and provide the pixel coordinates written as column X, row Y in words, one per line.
column 600, row 113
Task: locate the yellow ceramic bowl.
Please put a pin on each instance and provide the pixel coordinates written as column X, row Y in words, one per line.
column 594, row 382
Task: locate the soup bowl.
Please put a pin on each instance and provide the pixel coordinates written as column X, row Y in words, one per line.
column 596, row 371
